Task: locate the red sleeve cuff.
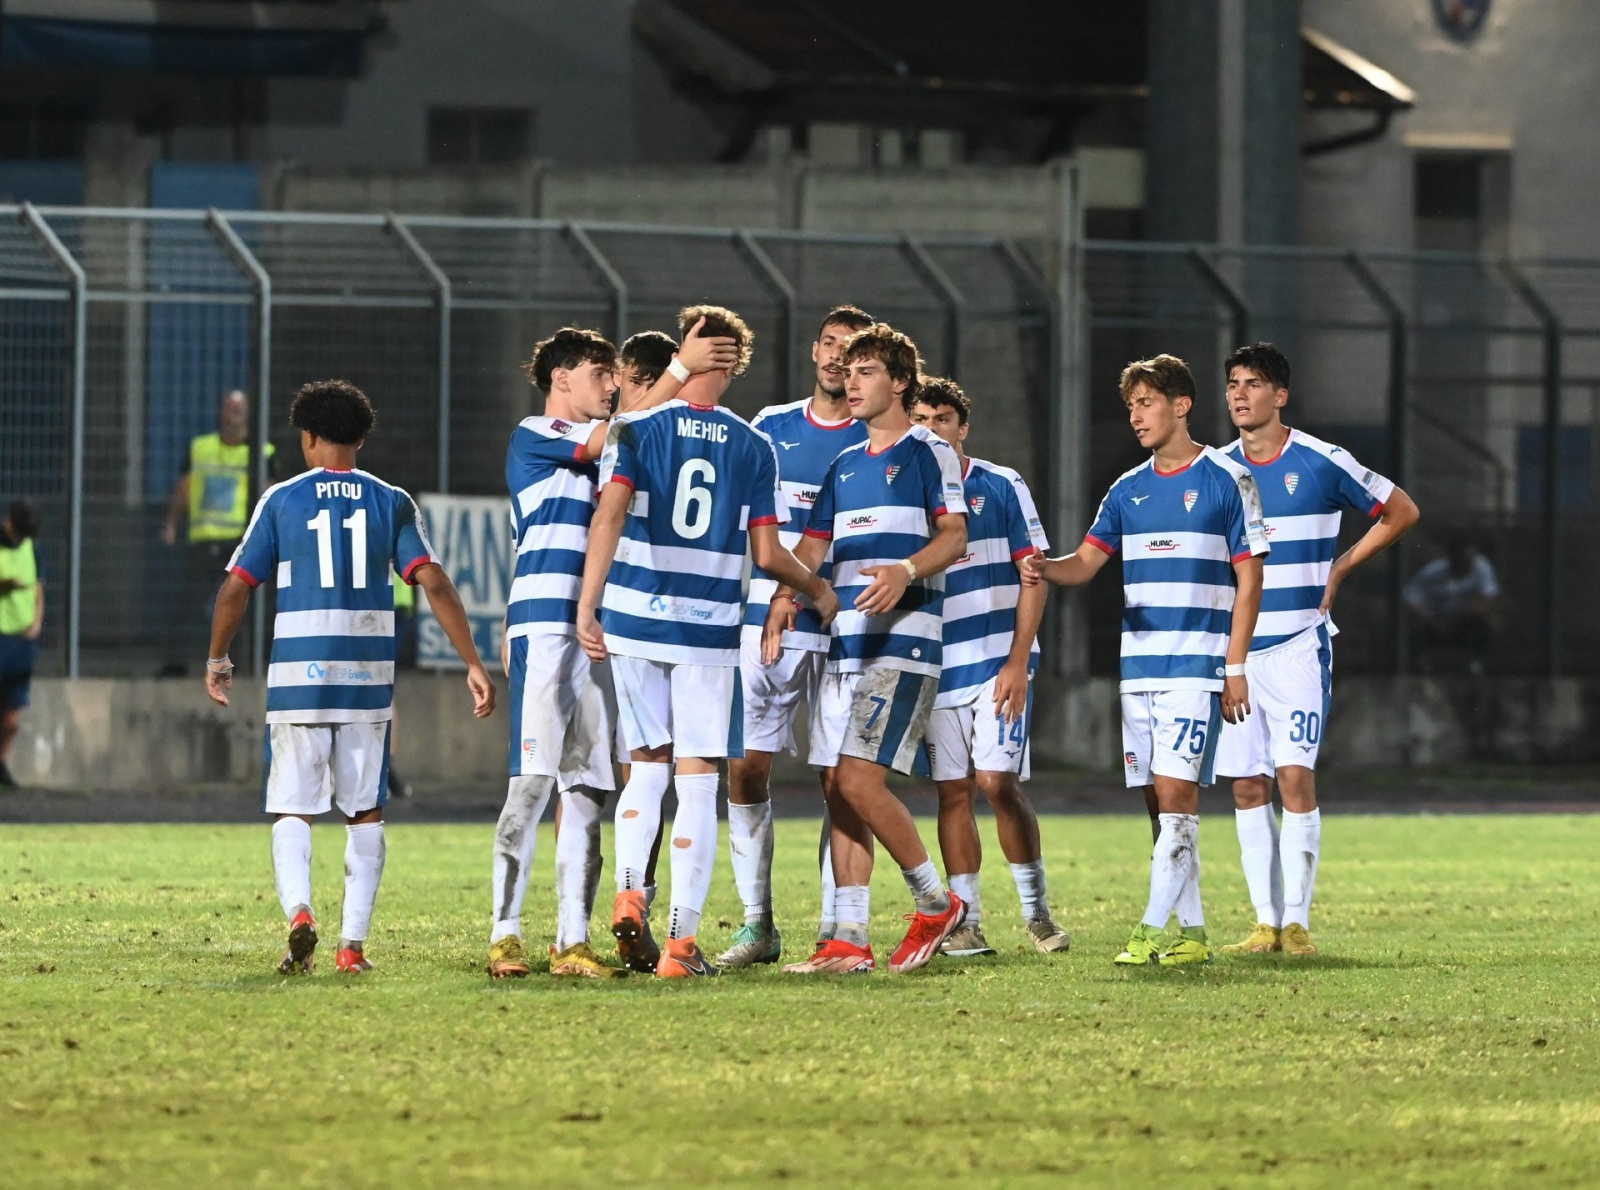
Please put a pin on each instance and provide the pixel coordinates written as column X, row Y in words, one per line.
column 249, row 579
column 1099, row 545
column 1377, row 510
column 763, row 520
column 623, row 480
column 819, row 534
column 413, row 566
column 1237, row 558
column 1018, row 555
column 581, row 452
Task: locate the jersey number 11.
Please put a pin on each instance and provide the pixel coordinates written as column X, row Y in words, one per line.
column 356, row 522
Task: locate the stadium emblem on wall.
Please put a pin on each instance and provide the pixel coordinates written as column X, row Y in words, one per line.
column 1461, row 19
column 1291, row 481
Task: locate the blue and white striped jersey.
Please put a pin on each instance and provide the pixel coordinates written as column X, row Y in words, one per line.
column 806, row 447
column 981, row 589
column 1180, row 533
column 329, row 538
column 879, row 509
column 701, row 478
column 552, row 490
column 1304, row 489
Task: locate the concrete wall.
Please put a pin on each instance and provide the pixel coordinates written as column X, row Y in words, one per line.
column 152, row 734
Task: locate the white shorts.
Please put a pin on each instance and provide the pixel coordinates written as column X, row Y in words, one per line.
column 1290, row 689
column 562, row 712
column 695, row 708
column 1170, row 733
column 773, row 693
column 879, row 715
column 312, row 766
column 973, row 737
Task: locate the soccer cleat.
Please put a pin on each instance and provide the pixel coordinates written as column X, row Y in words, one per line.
column 683, row 960
column 1190, row 946
column 507, row 959
column 1263, row 939
column 630, row 926
column 1048, row 937
column 351, row 960
column 753, row 943
column 1144, row 944
column 836, row 957
column 966, row 942
column 580, row 959
column 1296, row 940
column 298, row 957
column 927, row 933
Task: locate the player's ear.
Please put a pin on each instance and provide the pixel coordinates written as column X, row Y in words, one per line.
column 1282, row 398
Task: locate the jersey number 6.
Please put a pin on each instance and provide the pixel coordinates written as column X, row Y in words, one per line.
column 691, row 506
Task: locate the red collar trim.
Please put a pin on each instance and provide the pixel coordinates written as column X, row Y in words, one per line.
column 1178, row 471
column 338, row 470
column 699, row 408
column 875, row 453
column 1287, row 438
column 826, row 425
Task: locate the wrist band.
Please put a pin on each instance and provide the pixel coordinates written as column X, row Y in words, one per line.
column 677, row 371
column 219, row 665
column 1233, row 671
column 911, row 567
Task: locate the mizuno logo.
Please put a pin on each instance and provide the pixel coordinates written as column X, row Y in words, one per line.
column 1139, row 499
column 844, row 475
column 787, row 445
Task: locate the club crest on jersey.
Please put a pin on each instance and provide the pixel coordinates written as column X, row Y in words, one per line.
column 891, row 471
column 1189, row 498
column 1291, row 481
column 977, row 505
column 530, row 748
column 1129, row 759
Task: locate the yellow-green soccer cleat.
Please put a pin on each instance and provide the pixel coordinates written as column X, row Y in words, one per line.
column 580, row 959
column 1297, row 941
column 1261, row 940
column 1189, row 946
column 507, row 959
column 1144, row 944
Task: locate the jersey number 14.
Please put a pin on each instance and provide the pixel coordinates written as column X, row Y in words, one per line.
column 356, row 522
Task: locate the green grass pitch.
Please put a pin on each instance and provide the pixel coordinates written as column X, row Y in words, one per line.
column 1446, row 1036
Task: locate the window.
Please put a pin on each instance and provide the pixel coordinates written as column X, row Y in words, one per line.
column 41, row 134
column 479, row 135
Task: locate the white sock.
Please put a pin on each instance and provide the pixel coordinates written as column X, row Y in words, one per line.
column 364, row 853
column 1169, row 866
column 854, row 905
column 514, row 837
column 750, row 842
column 1031, row 889
column 965, row 886
column 1301, row 849
column 1258, row 853
column 828, row 918
column 291, row 863
column 638, row 817
column 694, row 851
column 577, row 864
column 926, row 889
column 1188, row 908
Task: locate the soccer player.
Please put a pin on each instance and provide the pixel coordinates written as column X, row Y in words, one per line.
column 809, row 435
column 1188, row 522
column 893, row 511
column 686, row 487
column 328, row 538
column 984, row 709
column 561, row 707
column 1306, row 484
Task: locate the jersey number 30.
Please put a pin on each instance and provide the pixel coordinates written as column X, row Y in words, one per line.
column 691, row 506
column 356, row 522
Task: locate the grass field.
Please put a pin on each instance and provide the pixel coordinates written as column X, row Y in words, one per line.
column 1447, row 1036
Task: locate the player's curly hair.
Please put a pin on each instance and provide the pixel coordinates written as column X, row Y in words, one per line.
column 935, row 391
column 333, row 409
column 1264, row 359
column 1167, row 374
column 894, row 350
column 852, row 318
column 569, row 347
column 721, row 322
column 647, row 354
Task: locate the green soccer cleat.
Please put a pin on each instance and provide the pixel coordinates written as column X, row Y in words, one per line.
column 753, row 943
column 1144, row 945
column 1190, row 946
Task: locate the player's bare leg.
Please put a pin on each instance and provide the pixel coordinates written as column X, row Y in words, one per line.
column 364, row 855
column 1018, row 827
column 847, row 858
column 1263, row 871
column 750, row 844
column 962, row 852
column 828, row 915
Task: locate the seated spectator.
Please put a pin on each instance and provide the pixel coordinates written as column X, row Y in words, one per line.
column 1454, row 618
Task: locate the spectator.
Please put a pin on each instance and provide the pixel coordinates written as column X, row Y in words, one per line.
column 1453, row 609
column 214, row 493
column 21, row 620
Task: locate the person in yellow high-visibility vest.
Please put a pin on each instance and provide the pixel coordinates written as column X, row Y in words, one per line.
column 214, row 493
column 21, row 620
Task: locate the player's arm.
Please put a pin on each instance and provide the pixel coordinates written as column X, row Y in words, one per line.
column 1399, row 516
column 697, row 354
column 1011, row 684
column 605, row 532
column 889, row 583
column 1069, row 570
column 232, row 601
column 1247, row 572
column 445, row 602
column 769, row 553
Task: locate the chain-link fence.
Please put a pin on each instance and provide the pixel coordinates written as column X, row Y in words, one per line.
column 121, row 331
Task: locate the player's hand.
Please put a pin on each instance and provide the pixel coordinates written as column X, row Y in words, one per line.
column 826, row 605
column 1336, row 576
column 705, row 354
column 169, row 534
column 1235, row 699
column 1011, row 691
column 482, row 691
column 781, row 616
column 1032, row 569
column 218, row 684
column 883, row 593
column 590, row 636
